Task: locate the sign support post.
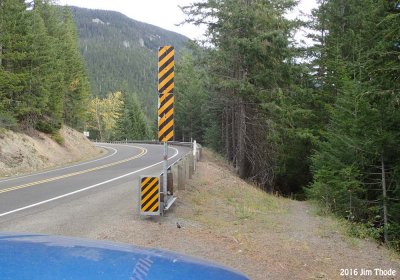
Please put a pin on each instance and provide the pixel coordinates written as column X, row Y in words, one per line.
column 165, row 175
column 166, row 73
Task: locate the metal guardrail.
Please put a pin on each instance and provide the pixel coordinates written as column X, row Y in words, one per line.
column 180, row 170
column 155, row 142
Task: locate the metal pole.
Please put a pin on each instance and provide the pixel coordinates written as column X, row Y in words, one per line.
column 165, row 172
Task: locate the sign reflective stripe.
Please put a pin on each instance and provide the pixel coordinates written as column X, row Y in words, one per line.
column 166, row 117
column 150, row 194
column 166, row 66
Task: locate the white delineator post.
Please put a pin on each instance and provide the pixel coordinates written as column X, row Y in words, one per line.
column 194, row 154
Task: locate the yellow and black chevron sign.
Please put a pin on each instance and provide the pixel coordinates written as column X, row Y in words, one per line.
column 166, row 66
column 166, row 117
column 150, row 195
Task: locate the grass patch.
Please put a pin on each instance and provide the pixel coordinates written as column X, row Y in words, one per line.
column 250, row 202
column 352, row 231
column 221, row 201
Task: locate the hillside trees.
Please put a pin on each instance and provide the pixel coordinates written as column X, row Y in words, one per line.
column 42, row 78
column 132, row 123
column 261, row 121
column 103, row 115
column 77, row 90
column 118, row 116
column 14, row 41
column 356, row 164
column 328, row 116
column 190, row 98
column 121, row 54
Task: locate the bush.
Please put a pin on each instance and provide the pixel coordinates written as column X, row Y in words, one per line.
column 58, row 138
column 45, row 127
column 48, row 127
column 7, row 121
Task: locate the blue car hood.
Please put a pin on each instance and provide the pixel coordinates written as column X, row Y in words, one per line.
column 26, row 256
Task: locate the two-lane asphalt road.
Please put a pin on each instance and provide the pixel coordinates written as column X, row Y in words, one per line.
column 113, row 177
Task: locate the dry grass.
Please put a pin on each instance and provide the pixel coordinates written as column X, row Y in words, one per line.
column 220, row 199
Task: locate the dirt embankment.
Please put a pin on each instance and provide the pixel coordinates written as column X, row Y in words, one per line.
column 224, row 219
column 21, row 153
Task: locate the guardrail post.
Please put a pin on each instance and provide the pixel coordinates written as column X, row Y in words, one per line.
column 170, row 183
column 187, row 175
column 181, row 183
column 191, row 165
column 174, row 170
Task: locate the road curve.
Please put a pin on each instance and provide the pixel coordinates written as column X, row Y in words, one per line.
column 23, row 196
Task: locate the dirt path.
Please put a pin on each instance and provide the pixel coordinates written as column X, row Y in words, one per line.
column 226, row 220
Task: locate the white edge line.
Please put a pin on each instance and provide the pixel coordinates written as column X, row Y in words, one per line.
column 62, row 168
column 87, row 188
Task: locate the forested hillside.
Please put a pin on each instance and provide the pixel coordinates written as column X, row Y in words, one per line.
column 121, row 54
column 43, row 82
column 321, row 121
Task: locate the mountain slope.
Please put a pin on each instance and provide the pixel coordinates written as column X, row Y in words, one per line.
column 121, row 53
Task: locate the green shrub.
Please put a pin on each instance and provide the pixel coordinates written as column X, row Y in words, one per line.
column 58, row 138
column 45, row 127
column 7, row 121
column 48, row 126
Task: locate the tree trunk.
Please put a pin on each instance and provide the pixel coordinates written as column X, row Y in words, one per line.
column 228, row 135
column 385, row 214
column 233, row 136
column 242, row 156
column 98, row 122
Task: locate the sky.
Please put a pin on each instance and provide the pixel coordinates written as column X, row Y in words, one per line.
column 163, row 13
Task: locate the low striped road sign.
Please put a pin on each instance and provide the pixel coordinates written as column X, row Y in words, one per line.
column 166, row 67
column 165, row 117
column 149, row 199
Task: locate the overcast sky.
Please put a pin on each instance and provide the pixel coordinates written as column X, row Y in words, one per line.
column 163, row 13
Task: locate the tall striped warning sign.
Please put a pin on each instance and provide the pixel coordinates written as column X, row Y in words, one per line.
column 166, row 67
column 149, row 196
column 165, row 117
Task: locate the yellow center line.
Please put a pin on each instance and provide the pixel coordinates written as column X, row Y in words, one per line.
column 142, row 153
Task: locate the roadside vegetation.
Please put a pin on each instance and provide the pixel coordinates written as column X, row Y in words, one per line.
column 317, row 121
column 43, row 83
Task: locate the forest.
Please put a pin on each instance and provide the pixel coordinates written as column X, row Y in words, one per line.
column 43, row 83
column 316, row 121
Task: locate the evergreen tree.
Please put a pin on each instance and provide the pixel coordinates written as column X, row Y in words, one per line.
column 132, row 123
column 358, row 156
column 38, row 88
column 15, row 54
column 190, row 99
column 249, row 66
column 41, row 71
column 53, row 20
column 77, row 86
